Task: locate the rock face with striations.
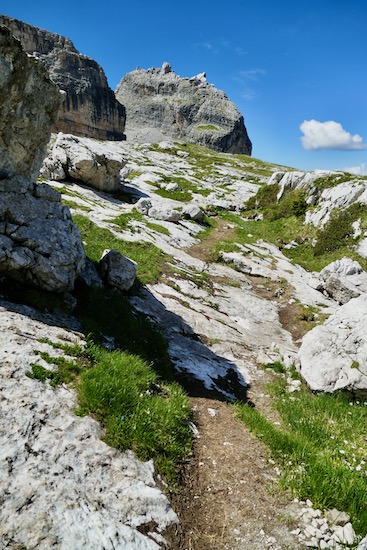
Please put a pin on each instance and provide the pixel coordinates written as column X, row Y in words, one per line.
column 158, row 101
column 39, row 244
column 89, row 107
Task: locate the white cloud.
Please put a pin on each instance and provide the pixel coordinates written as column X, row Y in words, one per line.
column 329, row 135
column 360, row 170
column 248, row 94
column 253, row 74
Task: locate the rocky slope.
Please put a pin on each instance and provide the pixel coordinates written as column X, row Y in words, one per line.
column 226, row 309
column 218, row 242
column 161, row 104
column 89, row 107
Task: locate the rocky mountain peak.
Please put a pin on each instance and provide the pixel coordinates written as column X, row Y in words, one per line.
column 90, row 107
column 161, row 104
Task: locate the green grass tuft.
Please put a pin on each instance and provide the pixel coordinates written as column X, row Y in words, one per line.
column 137, row 411
column 321, row 445
column 151, row 260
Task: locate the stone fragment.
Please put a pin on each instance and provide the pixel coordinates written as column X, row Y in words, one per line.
column 143, row 205
column 117, row 270
column 336, row 517
column 166, row 214
column 342, row 280
column 193, row 212
column 345, row 534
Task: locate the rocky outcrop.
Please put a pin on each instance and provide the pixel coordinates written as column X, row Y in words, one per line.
column 84, row 160
column 333, row 356
column 187, row 109
column 61, row 486
column 323, row 195
column 39, row 244
column 89, row 107
column 29, row 103
column 342, row 280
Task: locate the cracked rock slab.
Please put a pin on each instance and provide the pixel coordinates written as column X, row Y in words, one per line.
column 60, row 485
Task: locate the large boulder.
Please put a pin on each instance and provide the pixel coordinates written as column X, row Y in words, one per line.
column 89, row 107
column 333, row 356
column 158, row 101
column 39, row 244
column 91, row 162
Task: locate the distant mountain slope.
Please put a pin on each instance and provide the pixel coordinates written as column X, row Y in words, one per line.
column 158, row 101
column 90, row 108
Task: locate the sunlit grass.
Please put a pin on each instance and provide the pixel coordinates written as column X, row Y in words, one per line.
column 321, row 447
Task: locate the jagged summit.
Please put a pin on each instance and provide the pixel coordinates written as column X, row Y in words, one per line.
column 160, row 104
column 90, row 107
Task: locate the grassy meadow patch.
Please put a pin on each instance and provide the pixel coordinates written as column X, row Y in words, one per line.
column 137, row 410
column 151, row 260
column 320, row 445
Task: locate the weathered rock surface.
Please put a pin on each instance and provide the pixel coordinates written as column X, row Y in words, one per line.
column 39, row 244
column 340, row 196
column 29, row 103
column 118, row 270
column 333, row 356
column 61, row 486
column 187, row 109
column 326, row 200
column 84, row 160
column 342, row 280
column 89, row 107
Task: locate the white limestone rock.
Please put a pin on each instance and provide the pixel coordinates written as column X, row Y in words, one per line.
column 86, row 160
column 61, row 486
column 333, row 356
column 342, row 280
column 117, row 270
column 167, row 214
column 296, row 179
column 193, row 212
column 143, row 205
column 340, row 196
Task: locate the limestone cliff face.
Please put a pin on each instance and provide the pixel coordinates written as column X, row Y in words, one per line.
column 187, row 109
column 89, row 107
column 39, row 244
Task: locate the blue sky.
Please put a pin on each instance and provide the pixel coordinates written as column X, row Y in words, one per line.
column 296, row 70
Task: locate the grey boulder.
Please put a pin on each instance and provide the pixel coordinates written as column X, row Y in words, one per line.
column 117, row 270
